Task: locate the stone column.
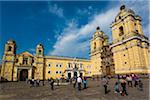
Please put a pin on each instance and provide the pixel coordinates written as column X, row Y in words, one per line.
column 30, row 73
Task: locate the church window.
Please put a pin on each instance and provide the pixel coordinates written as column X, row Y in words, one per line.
column 125, row 62
column 49, row 65
column 69, row 65
column 75, row 66
column 32, row 60
column 17, row 60
column 121, row 32
column 59, row 72
column 94, row 45
column 9, row 48
column 40, row 52
column 119, row 17
column 49, row 72
column 25, row 60
column 56, row 72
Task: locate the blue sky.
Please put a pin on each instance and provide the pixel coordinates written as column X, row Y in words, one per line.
column 64, row 28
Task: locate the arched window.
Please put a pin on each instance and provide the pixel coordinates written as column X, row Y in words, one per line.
column 94, row 45
column 121, row 32
column 40, row 52
column 9, row 48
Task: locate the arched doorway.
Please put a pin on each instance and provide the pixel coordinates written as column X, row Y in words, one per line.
column 107, row 70
column 69, row 75
column 75, row 74
column 23, row 74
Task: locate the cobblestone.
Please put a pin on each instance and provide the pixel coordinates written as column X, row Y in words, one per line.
column 95, row 91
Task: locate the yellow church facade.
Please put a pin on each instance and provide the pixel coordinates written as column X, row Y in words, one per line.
column 130, row 46
column 128, row 53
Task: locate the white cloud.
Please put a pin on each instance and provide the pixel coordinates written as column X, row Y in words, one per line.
column 54, row 9
column 74, row 41
column 85, row 11
column 31, row 49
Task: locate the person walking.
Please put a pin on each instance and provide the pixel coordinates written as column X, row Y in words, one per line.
column 140, row 85
column 105, row 84
column 85, row 82
column 135, row 80
column 74, row 82
column 129, row 80
column 123, row 85
column 79, row 81
column 117, row 88
column 52, row 83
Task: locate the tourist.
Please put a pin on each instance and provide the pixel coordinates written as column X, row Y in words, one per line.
column 140, row 85
column 52, row 83
column 123, row 85
column 85, row 82
column 74, row 82
column 129, row 80
column 79, row 81
column 32, row 82
column 57, row 80
column 135, row 78
column 37, row 82
column 105, row 84
column 117, row 88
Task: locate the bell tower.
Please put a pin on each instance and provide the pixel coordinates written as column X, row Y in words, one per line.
column 97, row 42
column 126, row 24
column 39, row 71
column 130, row 46
column 8, row 60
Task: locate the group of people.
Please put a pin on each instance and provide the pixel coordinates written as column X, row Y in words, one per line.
column 122, row 82
column 119, row 87
column 76, row 81
column 80, row 80
column 33, row 82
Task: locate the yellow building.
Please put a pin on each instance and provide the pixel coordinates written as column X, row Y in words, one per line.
column 128, row 53
column 130, row 46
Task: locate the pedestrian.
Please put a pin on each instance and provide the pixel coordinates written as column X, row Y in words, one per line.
column 32, row 82
column 85, row 82
column 27, row 80
column 123, row 85
column 129, row 80
column 52, row 83
column 74, row 82
column 140, row 85
column 105, row 84
column 79, row 81
column 57, row 80
column 135, row 80
column 37, row 82
column 117, row 88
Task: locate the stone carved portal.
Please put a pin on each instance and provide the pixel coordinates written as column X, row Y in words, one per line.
column 23, row 74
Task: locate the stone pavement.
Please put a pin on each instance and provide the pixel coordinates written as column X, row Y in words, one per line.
column 95, row 91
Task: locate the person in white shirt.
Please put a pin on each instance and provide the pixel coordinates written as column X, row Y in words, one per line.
column 129, row 80
column 79, row 81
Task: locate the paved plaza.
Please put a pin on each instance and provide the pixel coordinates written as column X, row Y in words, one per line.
column 95, row 91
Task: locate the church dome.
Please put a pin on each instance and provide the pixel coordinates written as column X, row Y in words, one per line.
column 124, row 11
column 39, row 45
column 11, row 41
